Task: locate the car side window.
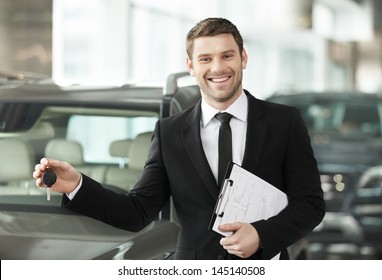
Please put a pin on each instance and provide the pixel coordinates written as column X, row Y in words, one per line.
column 98, row 142
column 96, row 133
column 361, row 120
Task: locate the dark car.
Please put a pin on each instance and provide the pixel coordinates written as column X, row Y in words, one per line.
column 345, row 130
column 354, row 233
column 365, row 205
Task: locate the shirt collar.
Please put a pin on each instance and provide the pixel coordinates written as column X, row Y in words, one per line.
column 238, row 109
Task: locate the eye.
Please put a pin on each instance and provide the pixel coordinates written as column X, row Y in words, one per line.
column 228, row 56
column 204, row 59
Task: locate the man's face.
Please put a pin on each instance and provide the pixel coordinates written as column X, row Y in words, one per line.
column 217, row 66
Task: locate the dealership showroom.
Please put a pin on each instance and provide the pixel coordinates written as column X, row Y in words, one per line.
column 92, row 85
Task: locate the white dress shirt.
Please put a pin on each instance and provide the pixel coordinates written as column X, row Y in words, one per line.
column 209, row 131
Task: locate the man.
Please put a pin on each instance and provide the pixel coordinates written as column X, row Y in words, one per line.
column 268, row 140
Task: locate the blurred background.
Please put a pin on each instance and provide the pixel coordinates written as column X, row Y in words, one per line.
column 292, row 44
column 322, row 56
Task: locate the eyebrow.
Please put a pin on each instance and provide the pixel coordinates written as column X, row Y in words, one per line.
column 207, row 54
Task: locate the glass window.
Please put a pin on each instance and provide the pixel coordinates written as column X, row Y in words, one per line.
column 96, row 133
column 345, row 118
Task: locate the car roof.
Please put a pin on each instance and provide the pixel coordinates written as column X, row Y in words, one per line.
column 43, row 92
column 138, row 96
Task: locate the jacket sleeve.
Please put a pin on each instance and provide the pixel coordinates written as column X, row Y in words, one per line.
column 132, row 211
column 301, row 183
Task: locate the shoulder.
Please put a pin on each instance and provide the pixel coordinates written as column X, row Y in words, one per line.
column 269, row 109
column 187, row 116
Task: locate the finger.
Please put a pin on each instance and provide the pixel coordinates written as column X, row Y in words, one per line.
column 230, row 227
column 226, row 243
column 233, row 247
column 39, row 183
column 36, row 174
column 234, row 250
column 229, row 241
column 54, row 163
column 37, row 168
column 44, row 163
column 39, row 171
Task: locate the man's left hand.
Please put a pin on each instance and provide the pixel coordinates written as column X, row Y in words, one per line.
column 244, row 241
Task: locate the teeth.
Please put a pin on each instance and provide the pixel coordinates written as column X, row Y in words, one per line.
column 219, row 80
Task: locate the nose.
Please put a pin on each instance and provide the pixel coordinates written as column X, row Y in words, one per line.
column 217, row 65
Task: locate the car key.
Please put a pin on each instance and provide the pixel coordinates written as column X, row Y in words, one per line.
column 49, row 178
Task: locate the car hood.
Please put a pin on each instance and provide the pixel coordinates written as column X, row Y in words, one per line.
column 357, row 154
column 36, row 236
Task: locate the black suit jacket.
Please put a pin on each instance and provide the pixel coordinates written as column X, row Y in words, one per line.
column 277, row 149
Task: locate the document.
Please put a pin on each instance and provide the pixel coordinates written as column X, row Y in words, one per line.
column 244, row 197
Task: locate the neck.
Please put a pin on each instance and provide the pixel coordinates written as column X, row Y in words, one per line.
column 222, row 105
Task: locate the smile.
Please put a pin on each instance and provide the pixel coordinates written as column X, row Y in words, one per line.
column 219, row 80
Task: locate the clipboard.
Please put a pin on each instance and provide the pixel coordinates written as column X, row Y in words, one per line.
column 245, row 197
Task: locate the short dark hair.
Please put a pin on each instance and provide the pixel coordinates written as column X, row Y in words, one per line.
column 212, row 27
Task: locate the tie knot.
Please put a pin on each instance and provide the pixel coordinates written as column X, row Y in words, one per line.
column 223, row 117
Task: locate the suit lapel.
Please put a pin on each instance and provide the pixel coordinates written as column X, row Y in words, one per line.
column 193, row 145
column 256, row 132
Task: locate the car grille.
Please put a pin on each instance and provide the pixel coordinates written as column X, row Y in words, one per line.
column 336, row 187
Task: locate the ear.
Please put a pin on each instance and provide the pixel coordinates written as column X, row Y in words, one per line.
column 190, row 66
column 244, row 59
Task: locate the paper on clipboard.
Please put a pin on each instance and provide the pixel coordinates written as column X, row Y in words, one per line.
column 246, row 198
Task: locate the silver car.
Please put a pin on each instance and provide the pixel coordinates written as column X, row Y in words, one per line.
column 105, row 132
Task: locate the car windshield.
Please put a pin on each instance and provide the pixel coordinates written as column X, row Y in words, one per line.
column 109, row 144
column 345, row 118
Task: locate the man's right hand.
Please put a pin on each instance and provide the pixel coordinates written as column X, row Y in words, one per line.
column 68, row 177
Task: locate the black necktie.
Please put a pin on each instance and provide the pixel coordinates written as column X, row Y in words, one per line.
column 225, row 144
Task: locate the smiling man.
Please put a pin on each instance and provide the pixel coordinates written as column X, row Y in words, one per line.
column 217, row 64
column 269, row 140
